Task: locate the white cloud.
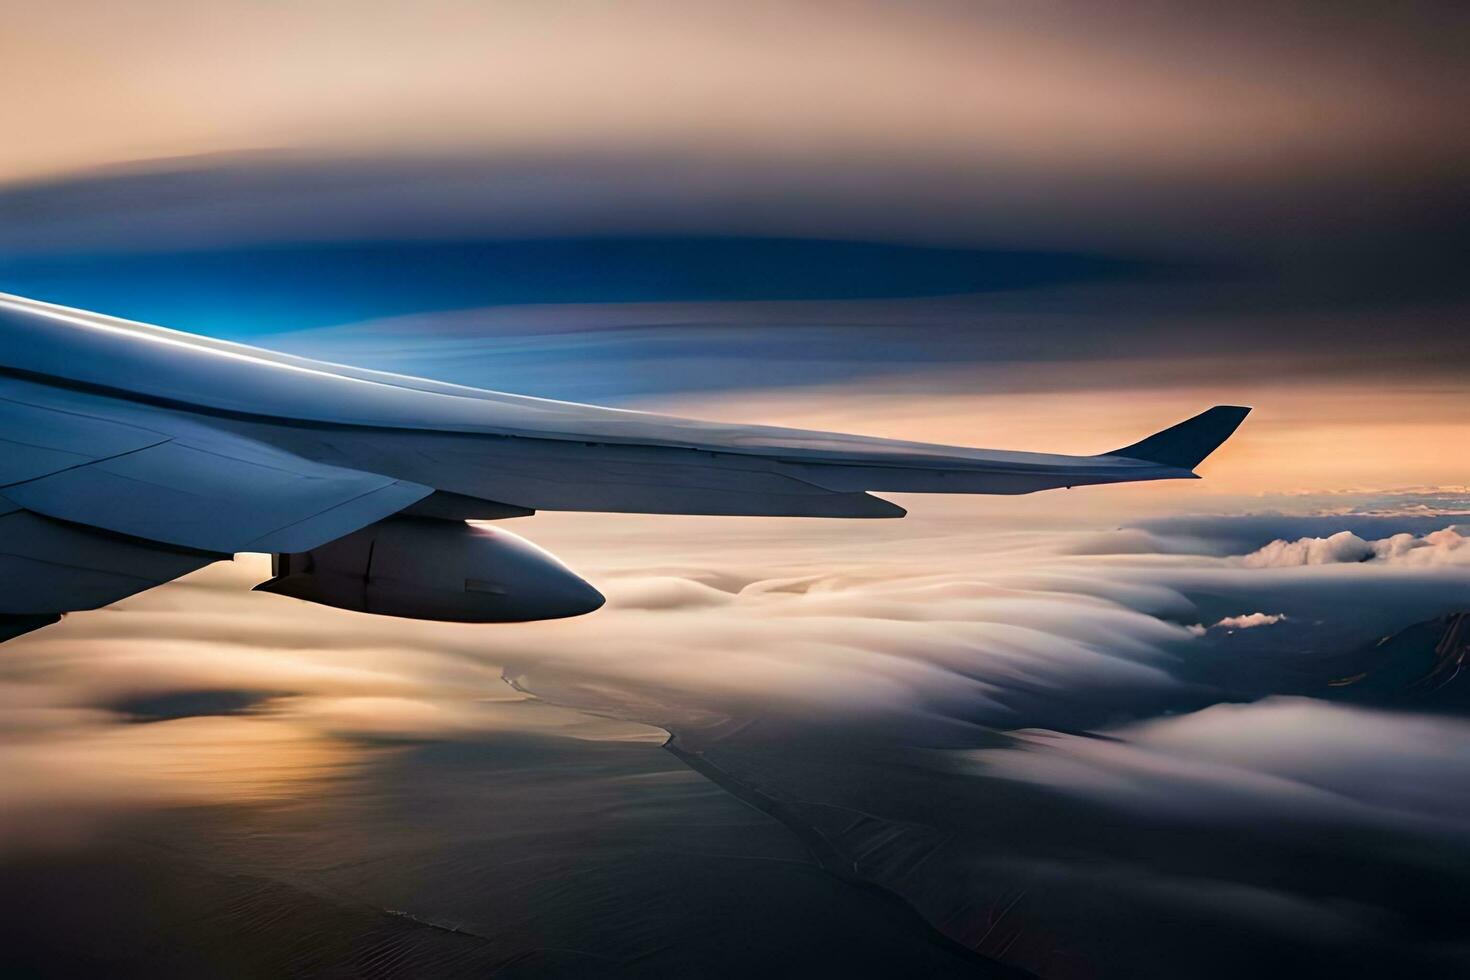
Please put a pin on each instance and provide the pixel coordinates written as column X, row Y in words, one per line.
column 1344, row 546
column 1443, row 547
column 1250, row 620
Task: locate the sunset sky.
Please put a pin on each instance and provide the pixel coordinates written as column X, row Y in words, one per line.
column 1138, row 210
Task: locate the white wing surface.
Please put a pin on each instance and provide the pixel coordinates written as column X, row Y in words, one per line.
column 131, row 453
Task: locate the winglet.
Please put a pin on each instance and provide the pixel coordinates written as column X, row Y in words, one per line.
column 1187, row 444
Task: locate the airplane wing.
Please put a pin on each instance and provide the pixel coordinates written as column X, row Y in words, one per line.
column 131, row 454
column 93, row 510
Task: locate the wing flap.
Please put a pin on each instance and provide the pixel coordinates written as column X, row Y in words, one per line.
column 227, row 496
column 49, row 568
column 13, row 626
column 36, row 441
column 557, row 476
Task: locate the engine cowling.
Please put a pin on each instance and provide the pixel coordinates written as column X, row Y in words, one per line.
column 421, row 568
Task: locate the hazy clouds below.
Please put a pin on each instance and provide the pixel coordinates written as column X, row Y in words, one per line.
column 932, row 629
column 1285, row 759
column 1056, row 707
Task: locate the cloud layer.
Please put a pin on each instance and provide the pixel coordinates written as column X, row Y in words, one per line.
column 1285, row 759
column 1048, row 629
column 1040, row 700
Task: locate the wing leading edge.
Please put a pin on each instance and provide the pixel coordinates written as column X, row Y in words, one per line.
column 184, row 371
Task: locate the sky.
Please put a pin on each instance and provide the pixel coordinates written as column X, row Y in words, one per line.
column 1053, row 226
column 786, row 207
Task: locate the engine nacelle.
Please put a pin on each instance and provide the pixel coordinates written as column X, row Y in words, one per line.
column 422, row 568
